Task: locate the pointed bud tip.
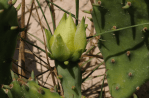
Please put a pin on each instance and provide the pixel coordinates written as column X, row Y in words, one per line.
column 83, row 20
column 70, row 16
column 64, row 16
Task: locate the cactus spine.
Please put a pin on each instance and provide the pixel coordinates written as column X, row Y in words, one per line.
column 126, row 51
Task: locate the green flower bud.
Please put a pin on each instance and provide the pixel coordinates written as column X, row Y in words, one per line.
column 68, row 41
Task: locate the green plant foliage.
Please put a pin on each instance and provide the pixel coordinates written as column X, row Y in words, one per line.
column 9, row 30
column 22, row 88
column 125, row 52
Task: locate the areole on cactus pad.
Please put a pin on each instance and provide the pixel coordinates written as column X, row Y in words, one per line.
column 126, row 52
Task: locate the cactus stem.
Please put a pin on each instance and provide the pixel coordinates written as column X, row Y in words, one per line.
column 18, row 7
column 1, row 11
column 112, row 61
column 14, row 27
column 130, row 74
column 144, row 29
column 127, row 5
column 137, row 88
column 128, row 53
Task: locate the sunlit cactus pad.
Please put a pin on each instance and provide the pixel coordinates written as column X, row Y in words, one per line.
column 125, row 51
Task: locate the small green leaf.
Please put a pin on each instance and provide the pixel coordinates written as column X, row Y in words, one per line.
column 68, row 34
column 59, row 49
column 60, row 28
column 48, row 36
column 61, row 25
column 80, row 36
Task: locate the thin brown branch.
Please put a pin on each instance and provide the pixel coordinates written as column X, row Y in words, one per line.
column 21, row 59
column 29, row 16
column 61, row 89
column 91, row 55
column 53, row 13
column 35, row 17
column 45, row 48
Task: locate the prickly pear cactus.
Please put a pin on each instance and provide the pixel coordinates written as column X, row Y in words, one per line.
column 22, row 88
column 66, row 46
column 9, row 30
column 125, row 51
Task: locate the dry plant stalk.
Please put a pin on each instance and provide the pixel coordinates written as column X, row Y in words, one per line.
column 21, row 59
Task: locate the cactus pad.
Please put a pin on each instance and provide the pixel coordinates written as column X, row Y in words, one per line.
column 9, row 29
column 125, row 51
column 22, row 88
column 71, row 78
